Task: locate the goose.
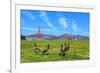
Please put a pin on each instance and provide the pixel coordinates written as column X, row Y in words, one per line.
column 46, row 51
column 66, row 47
column 36, row 49
column 62, row 52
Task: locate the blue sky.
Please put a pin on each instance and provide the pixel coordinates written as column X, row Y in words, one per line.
column 56, row 23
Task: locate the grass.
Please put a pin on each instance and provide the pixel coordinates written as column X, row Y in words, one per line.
column 79, row 50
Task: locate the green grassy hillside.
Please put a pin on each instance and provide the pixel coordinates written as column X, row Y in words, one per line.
column 79, row 50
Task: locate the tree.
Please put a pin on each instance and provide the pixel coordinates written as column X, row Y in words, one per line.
column 23, row 37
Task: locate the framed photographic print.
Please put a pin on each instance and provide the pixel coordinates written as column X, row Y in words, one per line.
column 51, row 37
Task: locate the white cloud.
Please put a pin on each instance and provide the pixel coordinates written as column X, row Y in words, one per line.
column 50, row 25
column 31, row 15
column 44, row 15
column 63, row 22
column 29, row 28
column 85, row 33
column 74, row 26
column 45, row 18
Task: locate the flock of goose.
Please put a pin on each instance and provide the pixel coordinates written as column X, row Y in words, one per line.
column 64, row 48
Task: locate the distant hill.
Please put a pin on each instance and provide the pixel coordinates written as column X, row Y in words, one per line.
column 80, row 37
column 67, row 36
column 53, row 37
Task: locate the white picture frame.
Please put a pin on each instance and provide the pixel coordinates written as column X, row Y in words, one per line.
column 16, row 66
